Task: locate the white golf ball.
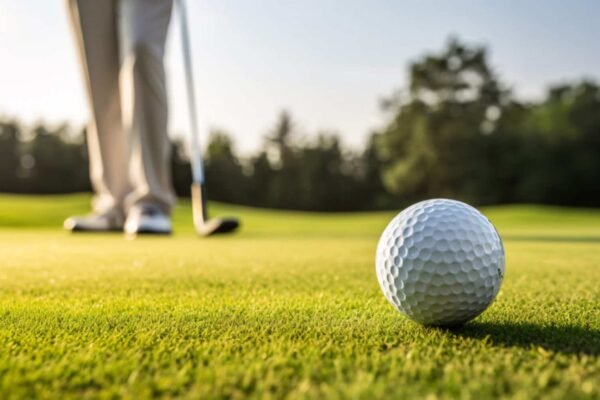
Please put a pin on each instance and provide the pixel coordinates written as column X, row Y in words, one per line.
column 440, row 262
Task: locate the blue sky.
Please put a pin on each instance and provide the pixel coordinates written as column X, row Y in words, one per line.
column 328, row 62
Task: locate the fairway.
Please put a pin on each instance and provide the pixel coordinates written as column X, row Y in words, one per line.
column 289, row 307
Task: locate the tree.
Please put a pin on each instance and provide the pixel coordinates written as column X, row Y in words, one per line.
column 180, row 168
column 283, row 157
column 327, row 181
column 259, row 179
column 9, row 156
column 433, row 144
column 562, row 144
column 224, row 176
column 372, row 193
column 56, row 162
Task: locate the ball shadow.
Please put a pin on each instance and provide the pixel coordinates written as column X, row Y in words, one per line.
column 559, row 338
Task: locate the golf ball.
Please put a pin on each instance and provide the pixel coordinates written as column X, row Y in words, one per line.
column 440, row 262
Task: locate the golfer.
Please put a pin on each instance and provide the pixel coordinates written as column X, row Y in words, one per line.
column 121, row 45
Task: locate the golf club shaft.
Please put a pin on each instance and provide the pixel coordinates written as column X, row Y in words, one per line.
column 195, row 154
column 204, row 226
column 199, row 204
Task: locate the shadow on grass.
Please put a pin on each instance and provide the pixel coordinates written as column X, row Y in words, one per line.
column 542, row 238
column 563, row 339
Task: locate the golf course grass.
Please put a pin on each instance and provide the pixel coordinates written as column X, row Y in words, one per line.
column 289, row 307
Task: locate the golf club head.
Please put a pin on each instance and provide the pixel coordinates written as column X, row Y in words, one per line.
column 209, row 226
column 216, row 226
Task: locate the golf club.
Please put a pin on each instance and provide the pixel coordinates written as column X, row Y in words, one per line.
column 204, row 226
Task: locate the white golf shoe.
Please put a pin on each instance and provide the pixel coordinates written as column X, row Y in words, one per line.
column 147, row 219
column 110, row 221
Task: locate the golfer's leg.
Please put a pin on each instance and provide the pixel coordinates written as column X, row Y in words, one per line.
column 143, row 26
column 95, row 27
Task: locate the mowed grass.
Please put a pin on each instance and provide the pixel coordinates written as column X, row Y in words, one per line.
column 290, row 307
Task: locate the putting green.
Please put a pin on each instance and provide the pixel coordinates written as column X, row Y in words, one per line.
column 290, row 307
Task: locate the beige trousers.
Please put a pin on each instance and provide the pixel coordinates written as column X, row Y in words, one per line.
column 121, row 45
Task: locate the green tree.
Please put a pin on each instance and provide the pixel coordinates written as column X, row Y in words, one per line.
column 433, row 144
column 180, row 168
column 281, row 151
column 224, row 176
column 54, row 161
column 327, row 178
column 561, row 147
column 9, row 156
column 260, row 176
column 372, row 192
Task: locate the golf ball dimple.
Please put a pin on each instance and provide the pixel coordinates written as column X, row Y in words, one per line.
column 440, row 262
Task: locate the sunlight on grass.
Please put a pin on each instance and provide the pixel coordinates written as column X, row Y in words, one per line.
column 289, row 307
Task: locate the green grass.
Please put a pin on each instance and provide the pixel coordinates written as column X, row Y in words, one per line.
column 290, row 307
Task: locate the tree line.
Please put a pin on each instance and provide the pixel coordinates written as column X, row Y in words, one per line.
column 456, row 130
